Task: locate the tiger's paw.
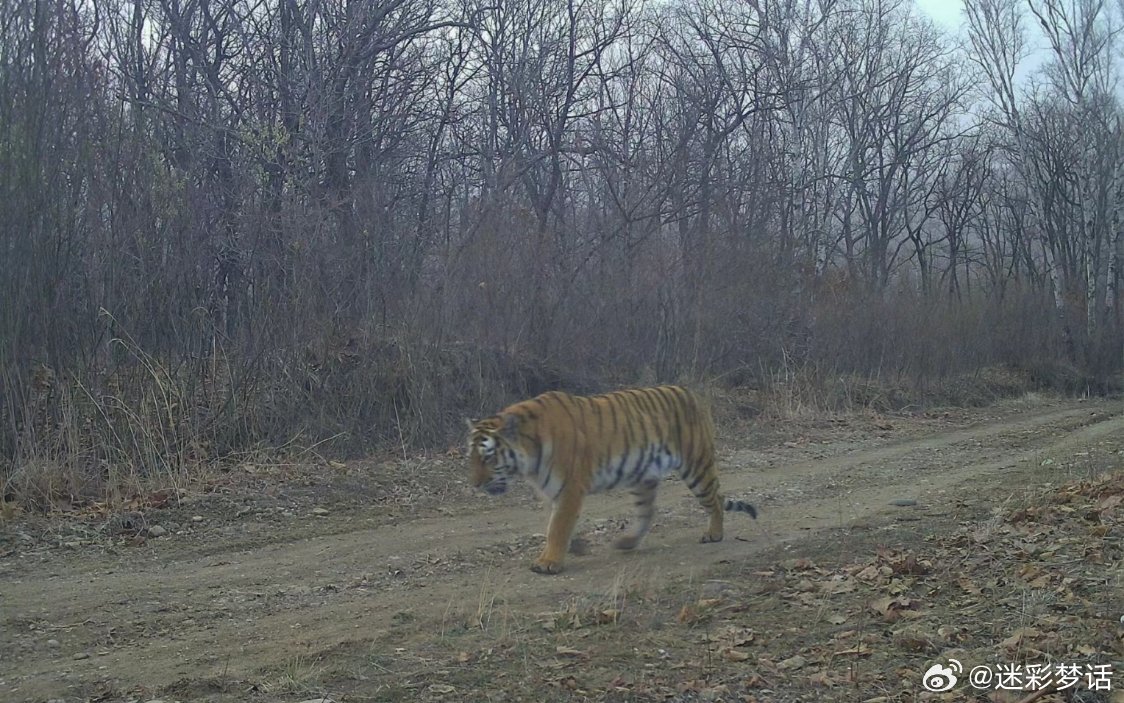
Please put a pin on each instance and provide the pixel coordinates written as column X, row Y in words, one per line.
column 546, row 566
column 626, row 542
column 709, row 537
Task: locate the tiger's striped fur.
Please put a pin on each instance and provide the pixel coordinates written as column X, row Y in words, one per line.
column 569, row 446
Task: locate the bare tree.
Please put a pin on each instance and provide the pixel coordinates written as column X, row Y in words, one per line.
column 230, row 222
column 896, row 102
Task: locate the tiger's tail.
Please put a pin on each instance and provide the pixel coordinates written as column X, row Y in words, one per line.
column 739, row 506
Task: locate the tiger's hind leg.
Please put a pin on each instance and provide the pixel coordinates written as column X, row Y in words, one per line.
column 644, row 497
column 703, row 483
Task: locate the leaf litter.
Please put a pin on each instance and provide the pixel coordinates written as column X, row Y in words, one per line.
column 1023, row 584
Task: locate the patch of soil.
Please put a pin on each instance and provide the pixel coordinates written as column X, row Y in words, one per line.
column 393, row 580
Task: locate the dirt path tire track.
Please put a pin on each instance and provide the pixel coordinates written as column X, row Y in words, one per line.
column 236, row 614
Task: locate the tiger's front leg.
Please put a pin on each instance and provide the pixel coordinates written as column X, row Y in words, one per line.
column 562, row 521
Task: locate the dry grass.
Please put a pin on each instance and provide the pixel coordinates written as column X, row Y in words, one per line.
column 144, row 421
column 148, row 428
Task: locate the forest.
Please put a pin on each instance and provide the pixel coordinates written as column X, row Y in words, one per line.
column 334, row 226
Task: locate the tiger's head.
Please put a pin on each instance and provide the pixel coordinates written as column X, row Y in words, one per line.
column 493, row 452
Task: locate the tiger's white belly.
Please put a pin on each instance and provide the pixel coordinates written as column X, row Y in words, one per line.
column 647, row 465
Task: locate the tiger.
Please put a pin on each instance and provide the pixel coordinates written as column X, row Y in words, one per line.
column 569, row 446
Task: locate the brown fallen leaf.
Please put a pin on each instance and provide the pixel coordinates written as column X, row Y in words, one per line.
column 915, row 641
column 755, row 681
column 854, row 651
column 800, row 564
column 733, row 636
column 892, row 607
column 838, row 586
column 735, row 655
column 909, row 565
column 1020, row 638
column 870, row 573
column 793, row 662
column 827, row 679
column 968, row 586
column 688, row 615
column 1108, row 503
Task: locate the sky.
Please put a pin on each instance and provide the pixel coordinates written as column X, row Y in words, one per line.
column 947, row 13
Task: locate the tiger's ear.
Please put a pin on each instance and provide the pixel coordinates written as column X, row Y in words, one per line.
column 471, row 424
column 510, row 428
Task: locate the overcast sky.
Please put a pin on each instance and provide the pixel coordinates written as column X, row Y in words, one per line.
column 949, row 13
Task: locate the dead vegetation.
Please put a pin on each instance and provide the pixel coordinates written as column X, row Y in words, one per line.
column 217, row 245
column 147, row 425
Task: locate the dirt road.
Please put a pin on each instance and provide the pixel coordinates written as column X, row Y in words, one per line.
column 242, row 588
